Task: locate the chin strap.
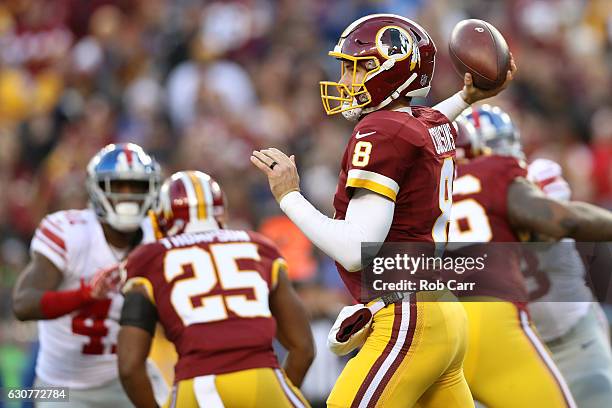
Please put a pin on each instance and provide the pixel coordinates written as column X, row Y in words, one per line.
column 394, row 95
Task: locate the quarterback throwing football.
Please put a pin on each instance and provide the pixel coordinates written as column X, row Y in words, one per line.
column 395, row 185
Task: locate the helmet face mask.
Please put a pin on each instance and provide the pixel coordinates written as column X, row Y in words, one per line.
column 122, row 182
column 398, row 56
column 345, row 98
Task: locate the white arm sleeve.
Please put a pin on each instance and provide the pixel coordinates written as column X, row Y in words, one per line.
column 452, row 107
column 368, row 219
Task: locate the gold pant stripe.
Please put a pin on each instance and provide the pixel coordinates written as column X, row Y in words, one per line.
column 546, row 359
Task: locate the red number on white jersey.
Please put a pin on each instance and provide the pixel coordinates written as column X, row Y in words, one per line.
column 90, row 322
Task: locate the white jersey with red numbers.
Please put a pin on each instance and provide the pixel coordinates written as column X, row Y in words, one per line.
column 560, row 271
column 77, row 350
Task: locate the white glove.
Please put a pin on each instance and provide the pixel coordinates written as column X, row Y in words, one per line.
column 105, row 281
column 350, row 330
column 549, row 177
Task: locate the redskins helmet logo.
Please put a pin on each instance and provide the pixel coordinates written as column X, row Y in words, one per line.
column 396, row 43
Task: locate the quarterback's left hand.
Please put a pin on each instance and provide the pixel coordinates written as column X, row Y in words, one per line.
column 280, row 169
column 471, row 94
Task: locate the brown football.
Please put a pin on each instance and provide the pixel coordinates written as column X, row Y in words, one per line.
column 477, row 47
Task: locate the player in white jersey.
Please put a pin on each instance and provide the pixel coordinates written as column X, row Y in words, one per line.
column 78, row 324
column 565, row 313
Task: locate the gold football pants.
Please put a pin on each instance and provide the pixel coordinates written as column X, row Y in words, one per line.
column 506, row 364
column 412, row 357
column 254, row 388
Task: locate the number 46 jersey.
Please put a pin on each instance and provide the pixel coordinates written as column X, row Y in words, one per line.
column 407, row 156
column 480, row 215
column 211, row 292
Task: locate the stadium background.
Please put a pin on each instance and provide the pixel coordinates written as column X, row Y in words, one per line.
column 200, row 84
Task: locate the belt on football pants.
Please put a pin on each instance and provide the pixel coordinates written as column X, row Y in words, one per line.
column 387, row 299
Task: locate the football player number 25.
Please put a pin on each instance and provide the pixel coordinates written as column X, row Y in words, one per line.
column 191, row 296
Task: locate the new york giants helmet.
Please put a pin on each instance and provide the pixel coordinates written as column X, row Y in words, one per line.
column 495, row 130
column 122, row 182
column 467, row 143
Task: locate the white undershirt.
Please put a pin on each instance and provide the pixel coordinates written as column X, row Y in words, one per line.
column 452, row 107
column 368, row 219
column 368, row 216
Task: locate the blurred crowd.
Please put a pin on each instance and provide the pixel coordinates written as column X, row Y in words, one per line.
column 200, row 84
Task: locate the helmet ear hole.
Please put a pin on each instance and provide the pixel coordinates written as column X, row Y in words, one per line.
column 370, row 64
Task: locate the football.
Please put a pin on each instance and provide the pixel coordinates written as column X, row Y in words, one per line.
column 477, row 47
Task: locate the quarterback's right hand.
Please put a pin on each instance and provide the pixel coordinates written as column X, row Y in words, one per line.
column 471, row 94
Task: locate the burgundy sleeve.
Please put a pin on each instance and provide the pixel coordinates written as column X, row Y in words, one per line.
column 377, row 157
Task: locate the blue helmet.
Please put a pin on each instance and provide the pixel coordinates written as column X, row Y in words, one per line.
column 123, row 208
column 495, row 130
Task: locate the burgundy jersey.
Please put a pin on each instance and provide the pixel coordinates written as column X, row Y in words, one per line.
column 479, row 214
column 211, row 293
column 409, row 158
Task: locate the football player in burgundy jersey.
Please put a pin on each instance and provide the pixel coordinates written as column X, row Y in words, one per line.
column 395, row 185
column 221, row 296
column 78, row 325
column 506, row 363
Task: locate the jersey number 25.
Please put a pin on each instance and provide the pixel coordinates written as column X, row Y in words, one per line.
column 191, row 296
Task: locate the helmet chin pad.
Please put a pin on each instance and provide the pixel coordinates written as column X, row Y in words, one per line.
column 352, row 115
column 126, row 217
column 127, row 209
column 124, row 223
